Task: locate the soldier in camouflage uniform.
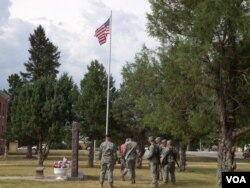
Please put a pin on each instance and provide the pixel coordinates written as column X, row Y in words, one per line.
column 169, row 155
column 158, row 141
column 154, row 159
column 131, row 152
column 124, row 169
column 108, row 157
column 163, row 160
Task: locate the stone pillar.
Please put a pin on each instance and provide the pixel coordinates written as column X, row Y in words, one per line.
column 75, row 143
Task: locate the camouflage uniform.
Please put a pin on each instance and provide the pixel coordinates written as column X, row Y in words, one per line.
column 107, row 156
column 161, row 146
column 124, row 170
column 154, row 158
column 164, row 164
column 131, row 152
column 169, row 167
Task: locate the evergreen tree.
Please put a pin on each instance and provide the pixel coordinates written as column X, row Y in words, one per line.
column 92, row 102
column 44, row 56
column 21, row 123
column 219, row 32
column 40, row 112
column 135, row 102
column 185, row 109
column 15, row 82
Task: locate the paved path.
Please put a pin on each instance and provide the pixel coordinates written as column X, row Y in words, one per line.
column 212, row 154
column 46, row 178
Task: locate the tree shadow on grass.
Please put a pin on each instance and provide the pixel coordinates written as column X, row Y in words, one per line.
column 190, row 183
column 200, row 170
column 92, row 177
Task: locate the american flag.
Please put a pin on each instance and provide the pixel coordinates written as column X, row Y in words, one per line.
column 102, row 32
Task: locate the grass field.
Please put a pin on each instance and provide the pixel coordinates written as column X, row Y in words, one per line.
column 201, row 172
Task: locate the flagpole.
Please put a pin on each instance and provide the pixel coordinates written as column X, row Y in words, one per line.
column 108, row 87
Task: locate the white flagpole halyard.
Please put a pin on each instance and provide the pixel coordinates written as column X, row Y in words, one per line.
column 108, row 87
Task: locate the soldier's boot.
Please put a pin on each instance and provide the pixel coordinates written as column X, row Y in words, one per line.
column 133, row 181
column 111, row 185
column 101, row 185
column 173, row 182
column 154, row 185
column 122, row 178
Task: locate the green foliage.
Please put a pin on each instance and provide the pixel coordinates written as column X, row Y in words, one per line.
column 21, row 113
column 166, row 98
column 15, row 82
column 93, row 100
column 207, row 40
column 136, row 95
column 41, row 105
column 44, row 56
column 41, row 110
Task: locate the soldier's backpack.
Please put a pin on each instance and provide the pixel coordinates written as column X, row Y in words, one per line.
column 156, row 153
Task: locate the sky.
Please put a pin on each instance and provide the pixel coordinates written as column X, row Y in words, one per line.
column 70, row 25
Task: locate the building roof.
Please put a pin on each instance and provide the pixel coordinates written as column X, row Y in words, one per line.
column 4, row 95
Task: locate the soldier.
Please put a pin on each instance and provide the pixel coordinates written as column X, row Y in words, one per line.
column 153, row 155
column 124, row 170
column 108, row 157
column 163, row 160
column 168, row 158
column 131, row 152
column 159, row 143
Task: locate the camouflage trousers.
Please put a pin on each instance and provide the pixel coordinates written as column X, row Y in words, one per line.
column 154, row 169
column 106, row 167
column 130, row 163
column 124, row 169
column 169, row 172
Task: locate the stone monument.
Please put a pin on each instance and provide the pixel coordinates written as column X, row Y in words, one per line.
column 75, row 175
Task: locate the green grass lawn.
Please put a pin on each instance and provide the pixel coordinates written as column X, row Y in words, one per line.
column 201, row 172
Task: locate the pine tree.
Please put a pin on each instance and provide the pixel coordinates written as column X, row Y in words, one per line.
column 93, row 100
column 44, row 56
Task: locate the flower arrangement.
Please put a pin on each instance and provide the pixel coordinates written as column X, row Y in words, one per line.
column 61, row 164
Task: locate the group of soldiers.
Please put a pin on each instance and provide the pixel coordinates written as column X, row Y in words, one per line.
column 162, row 157
column 160, row 153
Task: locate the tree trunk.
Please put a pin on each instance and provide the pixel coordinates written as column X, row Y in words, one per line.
column 189, row 144
column 183, row 158
column 29, row 152
column 226, row 154
column 91, row 155
column 141, row 143
column 225, row 162
column 227, row 106
column 40, row 158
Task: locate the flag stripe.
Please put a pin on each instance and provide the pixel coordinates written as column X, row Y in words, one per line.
column 102, row 32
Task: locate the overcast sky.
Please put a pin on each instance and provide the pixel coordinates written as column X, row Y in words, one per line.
column 70, row 25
